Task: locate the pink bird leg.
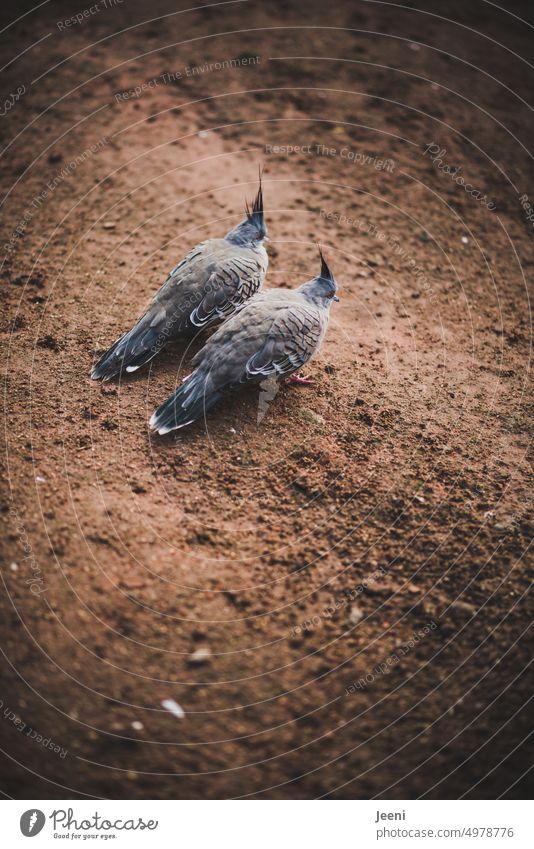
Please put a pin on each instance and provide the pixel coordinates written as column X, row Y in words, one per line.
column 300, row 380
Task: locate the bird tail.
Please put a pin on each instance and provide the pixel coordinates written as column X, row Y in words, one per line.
column 129, row 352
column 188, row 404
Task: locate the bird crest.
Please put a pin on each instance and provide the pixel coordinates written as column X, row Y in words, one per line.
column 252, row 229
column 326, row 274
column 255, row 215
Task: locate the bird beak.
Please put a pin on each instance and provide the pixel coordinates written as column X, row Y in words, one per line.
column 266, row 239
column 336, row 298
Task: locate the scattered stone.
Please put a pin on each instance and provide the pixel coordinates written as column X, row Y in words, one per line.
column 137, row 726
column 505, row 526
column 13, row 567
column 310, row 416
column 49, row 342
column 133, row 581
column 174, row 708
column 109, row 225
column 463, row 607
column 27, row 279
column 356, row 614
column 199, row 656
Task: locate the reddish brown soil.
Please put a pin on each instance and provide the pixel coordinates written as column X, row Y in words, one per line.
column 409, row 455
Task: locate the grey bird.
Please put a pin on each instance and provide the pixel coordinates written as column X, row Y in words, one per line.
column 207, row 286
column 271, row 337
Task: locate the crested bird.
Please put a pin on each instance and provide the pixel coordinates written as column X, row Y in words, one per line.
column 270, row 338
column 207, row 286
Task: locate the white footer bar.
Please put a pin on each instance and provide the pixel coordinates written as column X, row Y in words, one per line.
column 257, row 824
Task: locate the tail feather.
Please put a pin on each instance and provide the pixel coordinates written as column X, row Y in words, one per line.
column 186, row 405
column 128, row 353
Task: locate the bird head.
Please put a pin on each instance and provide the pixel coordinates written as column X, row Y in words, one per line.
column 322, row 289
column 252, row 230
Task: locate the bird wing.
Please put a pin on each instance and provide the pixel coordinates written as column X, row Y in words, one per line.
column 293, row 339
column 234, row 280
column 210, row 283
column 269, row 336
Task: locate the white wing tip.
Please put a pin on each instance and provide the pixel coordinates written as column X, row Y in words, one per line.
column 163, row 430
column 155, row 426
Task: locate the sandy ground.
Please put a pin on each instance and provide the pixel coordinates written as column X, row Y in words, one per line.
column 354, row 567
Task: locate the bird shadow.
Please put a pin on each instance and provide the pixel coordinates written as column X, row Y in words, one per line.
column 243, row 408
column 218, row 424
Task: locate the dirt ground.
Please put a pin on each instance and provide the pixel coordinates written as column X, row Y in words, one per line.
column 353, row 569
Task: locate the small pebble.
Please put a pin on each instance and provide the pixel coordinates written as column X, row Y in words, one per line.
column 356, row 614
column 310, row 416
column 133, row 581
column 174, row 708
column 13, row 567
column 465, row 240
column 463, row 607
column 201, row 655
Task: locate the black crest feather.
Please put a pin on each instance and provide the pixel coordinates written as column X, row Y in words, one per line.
column 255, row 215
column 326, row 274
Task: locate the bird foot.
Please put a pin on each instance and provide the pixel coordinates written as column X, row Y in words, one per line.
column 300, row 380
